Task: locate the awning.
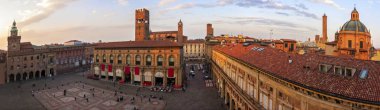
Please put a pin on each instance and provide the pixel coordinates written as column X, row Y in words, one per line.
column 127, row 70
column 109, row 68
column 170, row 72
column 103, row 67
column 137, row 70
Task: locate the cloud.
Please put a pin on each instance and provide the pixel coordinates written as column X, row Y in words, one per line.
column 45, row 8
column 282, row 13
column 265, row 22
column 328, row 2
column 267, row 4
column 122, row 2
column 302, row 6
column 193, row 5
column 165, row 2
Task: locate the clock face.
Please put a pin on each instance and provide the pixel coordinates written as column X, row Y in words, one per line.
column 14, row 46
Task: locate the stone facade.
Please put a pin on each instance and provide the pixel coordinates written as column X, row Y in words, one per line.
column 26, row 61
column 194, row 49
column 145, row 63
column 254, row 85
column 3, row 67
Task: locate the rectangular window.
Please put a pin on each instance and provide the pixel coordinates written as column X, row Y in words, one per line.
column 361, row 44
column 286, row 45
column 349, row 44
column 291, row 47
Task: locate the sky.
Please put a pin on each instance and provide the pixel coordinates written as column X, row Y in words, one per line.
column 56, row 21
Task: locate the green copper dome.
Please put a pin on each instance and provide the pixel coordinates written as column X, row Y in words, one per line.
column 353, row 26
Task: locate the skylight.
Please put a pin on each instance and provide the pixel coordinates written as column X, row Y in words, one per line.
column 257, row 49
column 363, row 74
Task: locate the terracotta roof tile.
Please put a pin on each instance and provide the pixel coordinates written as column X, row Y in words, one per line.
column 148, row 43
column 277, row 63
column 195, row 41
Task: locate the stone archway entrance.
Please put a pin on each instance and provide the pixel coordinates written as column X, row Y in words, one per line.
column 37, row 74
column 18, row 77
column 119, row 74
column 31, row 75
column 11, row 78
column 96, row 71
column 159, row 79
column 43, row 73
column 24, row 76
column 51, row 72
column 148, row 78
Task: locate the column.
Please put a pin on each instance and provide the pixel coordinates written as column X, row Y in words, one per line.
column 123, row 73
column 132, row 74
column 141, row 76
column 274, row 99
column 8, row 79
column 114, row 73
column 153, row 77
column 230, row 106
column 165, row 78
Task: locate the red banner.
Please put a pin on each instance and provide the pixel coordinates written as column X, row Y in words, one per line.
column 109, row 68
column 137, row 70
column 103, row 67
column 127, row 70
column 170, row 72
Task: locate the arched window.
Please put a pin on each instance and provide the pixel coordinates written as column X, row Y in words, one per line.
column 119, row 59
column 171, row 61
column 160, row 59
column 97, row 58
column 138, row 60
column 104, row 58
column 111, row 59
column 148, row 60
column 128, row 59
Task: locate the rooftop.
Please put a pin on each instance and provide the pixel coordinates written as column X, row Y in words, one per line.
column 195, row 41
column 135, row 44
column 304, row 71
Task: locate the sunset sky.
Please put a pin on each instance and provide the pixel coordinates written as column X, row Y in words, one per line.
column 57, row 21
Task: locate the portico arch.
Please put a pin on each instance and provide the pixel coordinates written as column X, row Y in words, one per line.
column 18, row 77
column 119, row 74
column 11, row 77
column 51, row 72
column 43, row 73
column 37, row 74
column 31, row 75
column 148, row 78
column 159, row 78
column 24, row 76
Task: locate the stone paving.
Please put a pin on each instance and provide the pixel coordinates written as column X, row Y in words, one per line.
column 82, row 96
column 18, row 95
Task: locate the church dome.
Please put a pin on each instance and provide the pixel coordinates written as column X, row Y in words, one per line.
column 353, row 26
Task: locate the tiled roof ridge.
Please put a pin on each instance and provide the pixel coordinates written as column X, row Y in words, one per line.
column 312, row 78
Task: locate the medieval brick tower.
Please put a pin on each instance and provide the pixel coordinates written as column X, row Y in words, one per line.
column 210, row 30
column 324, row 29
column 142, row 25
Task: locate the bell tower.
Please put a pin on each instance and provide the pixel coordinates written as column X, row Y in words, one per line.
column 180, row 32
column 354, row 15
column 14, row 40
column 142, row 25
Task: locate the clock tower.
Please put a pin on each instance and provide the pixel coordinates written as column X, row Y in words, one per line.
column 14, row 39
